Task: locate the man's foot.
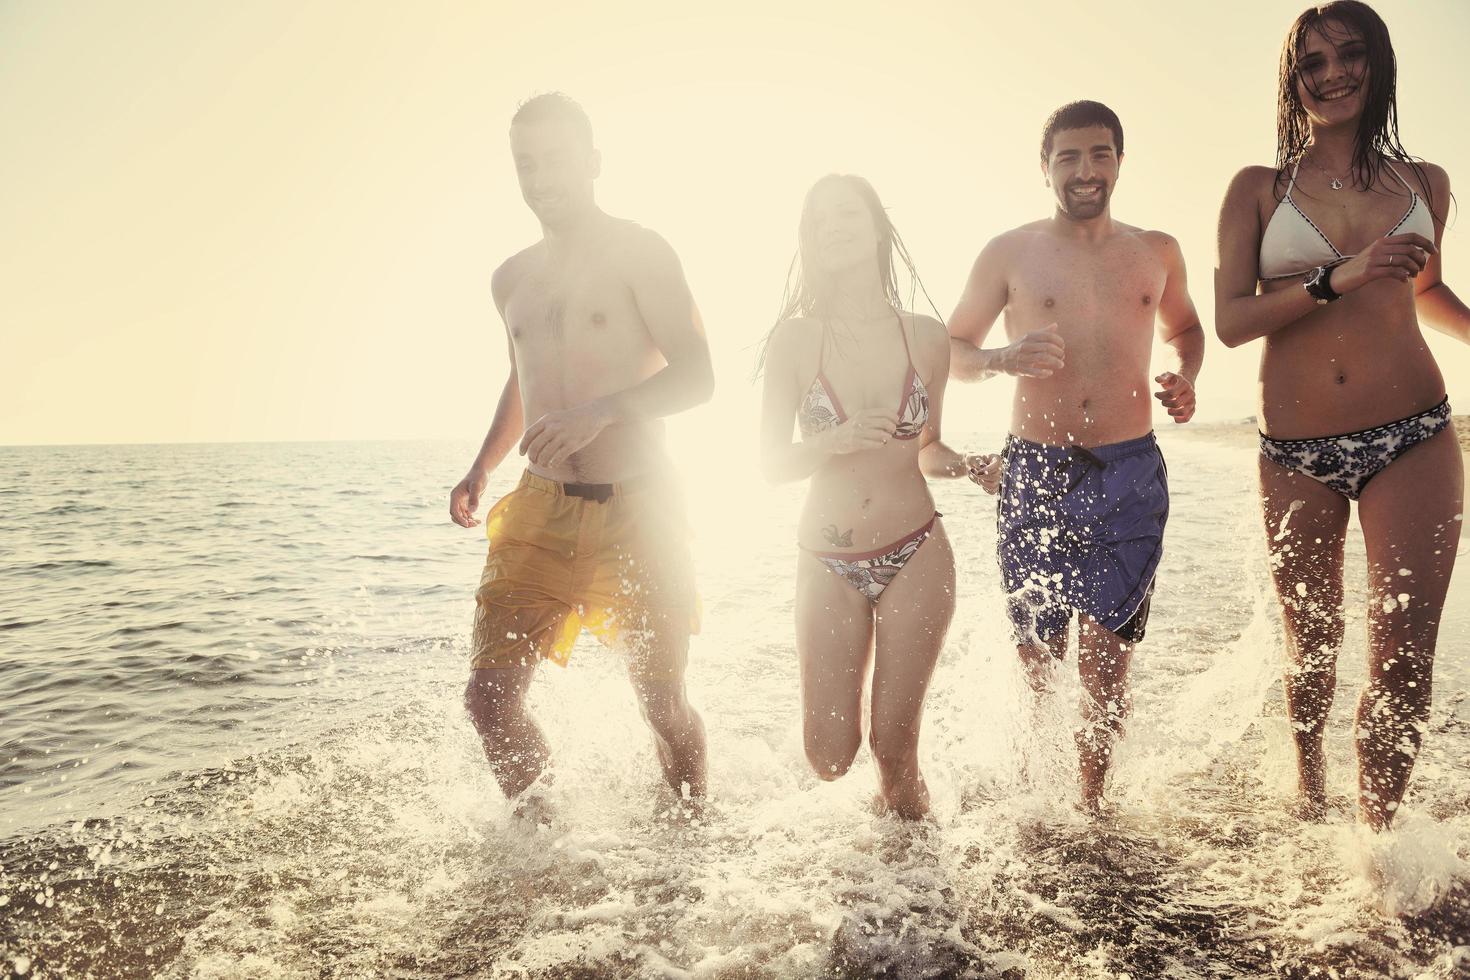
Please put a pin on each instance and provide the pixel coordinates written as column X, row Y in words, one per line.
column 1095, row 808
column 534, row 810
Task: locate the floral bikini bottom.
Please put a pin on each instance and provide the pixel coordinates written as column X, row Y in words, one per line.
column 1346, row 463
column 871, row 572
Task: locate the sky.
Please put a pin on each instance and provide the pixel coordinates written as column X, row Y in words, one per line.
column 278, row 221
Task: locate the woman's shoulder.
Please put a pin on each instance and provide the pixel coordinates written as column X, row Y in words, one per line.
column 925, row 327
column 1423, row 176
column 794, row 337
column 1253, row 181
column 930, row 335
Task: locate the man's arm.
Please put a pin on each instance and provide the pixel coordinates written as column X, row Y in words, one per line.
column 669, row 313
column 505, row 429
column 986, row 293
column 1178, row 326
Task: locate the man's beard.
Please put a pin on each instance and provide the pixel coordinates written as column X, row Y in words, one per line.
column 1082, row 210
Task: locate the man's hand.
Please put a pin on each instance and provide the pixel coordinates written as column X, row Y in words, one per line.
column 464, row 499
column 556, row 435
column 984, row 469
column 1177, row 395
column 1039, row 354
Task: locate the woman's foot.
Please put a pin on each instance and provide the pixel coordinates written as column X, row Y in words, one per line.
column 1308, row 808
column 908, row 800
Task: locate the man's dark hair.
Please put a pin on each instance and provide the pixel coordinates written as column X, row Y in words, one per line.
column 1080, row 115
column 551, row 106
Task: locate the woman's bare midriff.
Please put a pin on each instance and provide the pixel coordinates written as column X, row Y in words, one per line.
column 879, row 495
column 1354, row 364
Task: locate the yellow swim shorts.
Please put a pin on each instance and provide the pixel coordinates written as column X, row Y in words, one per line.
column 616, row 562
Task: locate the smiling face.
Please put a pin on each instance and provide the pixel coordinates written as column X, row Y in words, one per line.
column 839, row 229
column 1332, row 78
column 555, row 165
column 1083, row 168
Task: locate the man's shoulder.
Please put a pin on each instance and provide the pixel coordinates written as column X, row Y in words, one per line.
column 509, row 272
column 635, row 252
column 625, row 236
column 1020, row 236
column 1161, row 243
column 998, row 253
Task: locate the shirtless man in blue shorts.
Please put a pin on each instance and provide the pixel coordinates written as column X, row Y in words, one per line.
column 1084, row 494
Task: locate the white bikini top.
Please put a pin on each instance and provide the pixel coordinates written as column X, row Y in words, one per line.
column 1293, row 244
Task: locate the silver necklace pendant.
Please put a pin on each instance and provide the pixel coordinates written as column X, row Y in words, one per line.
column 1336, row 183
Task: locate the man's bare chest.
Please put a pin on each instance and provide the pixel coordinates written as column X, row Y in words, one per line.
column 1120, row 283
column 557, row 315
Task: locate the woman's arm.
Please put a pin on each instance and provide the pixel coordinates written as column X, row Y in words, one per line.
column 782, row 460
column 937, row 460
column 1437, row 304
column 1243, row 315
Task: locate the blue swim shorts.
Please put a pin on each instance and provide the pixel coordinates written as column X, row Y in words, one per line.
column 1080, row 530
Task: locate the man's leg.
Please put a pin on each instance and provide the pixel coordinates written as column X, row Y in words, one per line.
column 1103, row 658
column 495, row 699
column 658, row 655
column 1039, row 659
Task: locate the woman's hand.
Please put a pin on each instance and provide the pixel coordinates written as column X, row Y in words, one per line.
column 1400, row 257
column 868, row 429
column 985, row 469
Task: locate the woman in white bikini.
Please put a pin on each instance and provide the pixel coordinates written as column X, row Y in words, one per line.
column 875, row 575
column 1332, row 258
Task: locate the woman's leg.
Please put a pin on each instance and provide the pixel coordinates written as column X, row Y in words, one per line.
column 1411, row 516
column 834, row 643
column 913, row 618
column 1306, row 525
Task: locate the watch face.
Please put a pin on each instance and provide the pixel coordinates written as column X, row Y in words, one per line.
column 1316, row 285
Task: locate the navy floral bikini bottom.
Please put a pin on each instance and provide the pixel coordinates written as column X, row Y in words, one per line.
column 1346, row 463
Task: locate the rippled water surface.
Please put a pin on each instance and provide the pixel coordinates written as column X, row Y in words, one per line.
column 231, row 744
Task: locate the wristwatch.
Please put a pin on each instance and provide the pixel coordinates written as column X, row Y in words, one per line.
column 1318, row 285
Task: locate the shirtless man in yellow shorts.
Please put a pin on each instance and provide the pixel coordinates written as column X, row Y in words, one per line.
column 604, row 340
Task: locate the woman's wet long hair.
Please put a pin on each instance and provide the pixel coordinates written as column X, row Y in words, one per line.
column 808, row 291
column 1378, row 126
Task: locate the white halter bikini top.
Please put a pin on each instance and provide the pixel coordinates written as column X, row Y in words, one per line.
column 1293, row 244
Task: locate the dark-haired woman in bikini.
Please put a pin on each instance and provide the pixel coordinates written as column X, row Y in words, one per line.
column 1332, row 257
column 864, row 380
